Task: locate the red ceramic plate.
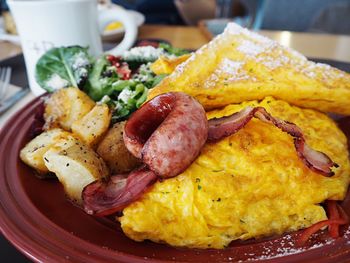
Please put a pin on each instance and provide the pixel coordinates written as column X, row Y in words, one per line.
column 36, row 217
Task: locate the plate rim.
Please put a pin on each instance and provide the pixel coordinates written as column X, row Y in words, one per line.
column 26, row 243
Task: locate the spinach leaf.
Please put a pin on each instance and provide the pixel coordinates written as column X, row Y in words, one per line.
column 62, row 67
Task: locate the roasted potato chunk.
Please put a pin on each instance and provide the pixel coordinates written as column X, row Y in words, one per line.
column 112, row 149
column 165, row 65
column 93, row 125
column 75, row 165
column 32, row 154
column 65, row 106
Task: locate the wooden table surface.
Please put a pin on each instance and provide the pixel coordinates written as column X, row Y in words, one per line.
column 8, row 49
column 325, row 46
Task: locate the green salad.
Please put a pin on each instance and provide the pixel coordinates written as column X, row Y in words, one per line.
column 121, row 82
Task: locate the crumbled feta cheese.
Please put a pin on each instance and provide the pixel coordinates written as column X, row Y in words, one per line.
column 125, row 95
column 148, row 53
column 79, row 60
column 145, row 73
column 145, row 68
column 118, row 106
column 105, row 99
column 56, row 82
column 141, row 78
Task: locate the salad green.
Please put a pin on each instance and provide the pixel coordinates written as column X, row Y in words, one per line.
column 121, row 82
column 63, row 67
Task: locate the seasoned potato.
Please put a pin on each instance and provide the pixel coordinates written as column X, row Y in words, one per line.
column 165, row 65
column 75, row 165
column 32, row 153
column 112, row 149
column 93, row 125
column 65, row 106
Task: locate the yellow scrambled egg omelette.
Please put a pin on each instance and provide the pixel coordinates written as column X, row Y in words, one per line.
column 248, row 185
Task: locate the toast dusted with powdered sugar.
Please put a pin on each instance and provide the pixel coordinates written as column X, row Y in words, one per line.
column 241, row 65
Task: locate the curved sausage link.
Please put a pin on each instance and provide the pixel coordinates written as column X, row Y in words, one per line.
column 167, row 133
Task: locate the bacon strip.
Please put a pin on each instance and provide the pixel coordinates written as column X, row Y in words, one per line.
column 343, row 215
column 334, row 209
column 225, row 126
column 315, row 228
column 220, row 128
column 333, row 213
column 104, row 198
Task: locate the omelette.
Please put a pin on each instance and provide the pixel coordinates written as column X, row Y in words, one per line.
column 248, row 185
column 240, row 65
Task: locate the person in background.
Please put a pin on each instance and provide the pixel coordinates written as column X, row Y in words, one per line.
column 334, row 19
column 327, row 16
column 323, row 16
column 3, row 6
column 155, row 11
column 9, row 24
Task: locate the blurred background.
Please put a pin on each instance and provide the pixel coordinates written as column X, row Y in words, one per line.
column 316, row 28
column 328, row 16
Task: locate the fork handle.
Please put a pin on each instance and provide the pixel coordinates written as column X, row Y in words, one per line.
column 8, row 103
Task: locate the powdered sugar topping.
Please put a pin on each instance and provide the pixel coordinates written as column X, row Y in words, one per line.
column 235, row 29
column 286, row 247
column 277, row 55
column 230, row 67
column 231, row 71
column 328, row 72
column 261, row 50
column 180, row 68
column 250, row 48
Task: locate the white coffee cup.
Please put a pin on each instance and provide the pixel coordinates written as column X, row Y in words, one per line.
column 55, row 23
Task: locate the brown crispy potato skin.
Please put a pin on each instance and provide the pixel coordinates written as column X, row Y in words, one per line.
column 65, row 106
column 76, row 165
column 113, row 151
column 32, row 154
column 91, row 128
